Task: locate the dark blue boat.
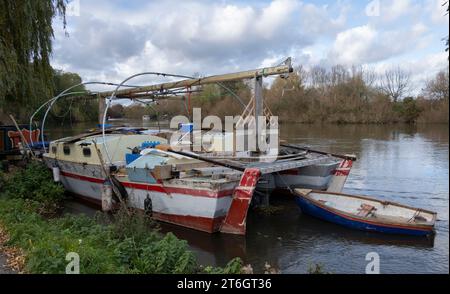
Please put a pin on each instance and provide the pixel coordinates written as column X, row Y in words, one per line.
column 367, row 214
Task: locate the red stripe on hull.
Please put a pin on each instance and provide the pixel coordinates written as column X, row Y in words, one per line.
column 344, row 172
column 83, row 178
column 157, row 188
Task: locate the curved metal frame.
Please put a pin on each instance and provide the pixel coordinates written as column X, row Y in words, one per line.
column 65, row 93
column 113, row 96
column 42, row 106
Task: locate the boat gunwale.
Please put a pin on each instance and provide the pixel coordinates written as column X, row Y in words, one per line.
column 425, row 227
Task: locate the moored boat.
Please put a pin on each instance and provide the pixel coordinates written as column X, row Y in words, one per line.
column 169, row 174
column 364, row 213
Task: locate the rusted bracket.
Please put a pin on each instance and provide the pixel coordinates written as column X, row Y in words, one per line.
column 236, row 219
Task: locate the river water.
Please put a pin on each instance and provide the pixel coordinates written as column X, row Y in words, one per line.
column 405, row 164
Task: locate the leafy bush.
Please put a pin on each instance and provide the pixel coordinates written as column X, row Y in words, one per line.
column 126, row 242
column 100, row 247
column 409, row 110
column 234, row 266
column 34, row 183
column 131, row 224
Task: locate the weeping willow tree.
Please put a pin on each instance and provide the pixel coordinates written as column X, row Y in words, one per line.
column 26, row 34
column 80, row 109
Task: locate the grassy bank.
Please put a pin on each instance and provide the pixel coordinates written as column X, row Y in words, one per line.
column 126, row 242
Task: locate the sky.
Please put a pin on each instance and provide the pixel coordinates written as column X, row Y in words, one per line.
column 109, row 40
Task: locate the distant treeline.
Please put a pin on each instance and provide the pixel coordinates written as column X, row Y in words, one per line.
column 318, row 95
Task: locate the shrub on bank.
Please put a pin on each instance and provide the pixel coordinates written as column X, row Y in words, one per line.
column 34, row 183
column 127, row 242
column 47, row 241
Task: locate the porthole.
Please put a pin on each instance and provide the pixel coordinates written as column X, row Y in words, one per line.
column 54, row 149
column 87, row 152
column 66, row 150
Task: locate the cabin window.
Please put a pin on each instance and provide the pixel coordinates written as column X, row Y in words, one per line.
column 66, row 150
column 54, row 149
column 87, row 152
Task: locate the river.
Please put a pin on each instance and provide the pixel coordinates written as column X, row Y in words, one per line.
column 405, row 164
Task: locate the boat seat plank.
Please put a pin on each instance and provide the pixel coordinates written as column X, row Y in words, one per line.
column 303, row 192
column 365, row 210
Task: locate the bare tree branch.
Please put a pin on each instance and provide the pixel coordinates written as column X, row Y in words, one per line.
column 395, row 83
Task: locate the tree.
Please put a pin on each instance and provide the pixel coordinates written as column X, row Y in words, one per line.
column 409, row 110
column 116, row 111
column 26, row 34
column 63, row 80
column 77, row 109
column 319, row 77
column 395, row 83
column 438, row 88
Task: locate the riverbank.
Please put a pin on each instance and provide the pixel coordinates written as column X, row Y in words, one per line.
column 125, row 242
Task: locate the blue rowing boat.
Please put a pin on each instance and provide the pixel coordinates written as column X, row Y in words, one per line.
column 367, row 214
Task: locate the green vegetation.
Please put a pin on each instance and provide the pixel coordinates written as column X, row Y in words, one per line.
column 34, row 183
column 26, row 78
column 234, row 266
column 74, row 108
column 357, row 95
column 126, row 242
column 25, row 49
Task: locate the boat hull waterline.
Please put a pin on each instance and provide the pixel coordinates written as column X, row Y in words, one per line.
column 200, row 210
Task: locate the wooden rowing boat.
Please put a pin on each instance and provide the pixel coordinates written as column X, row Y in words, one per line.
column 364, row 213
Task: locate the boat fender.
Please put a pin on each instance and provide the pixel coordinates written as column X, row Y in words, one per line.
column 122, row 191
column 148, row 207
column 107, row 194
column 56, row 174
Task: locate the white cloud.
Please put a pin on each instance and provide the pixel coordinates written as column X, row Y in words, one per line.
column 274, row 17
column 112, row 40
column 420, row 70
column 354, row 46
column 424, row 68
column 188, row 37
column 393, row 9
column 366, row 44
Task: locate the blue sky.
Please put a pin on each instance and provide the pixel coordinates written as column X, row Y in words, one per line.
column 110, row 40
